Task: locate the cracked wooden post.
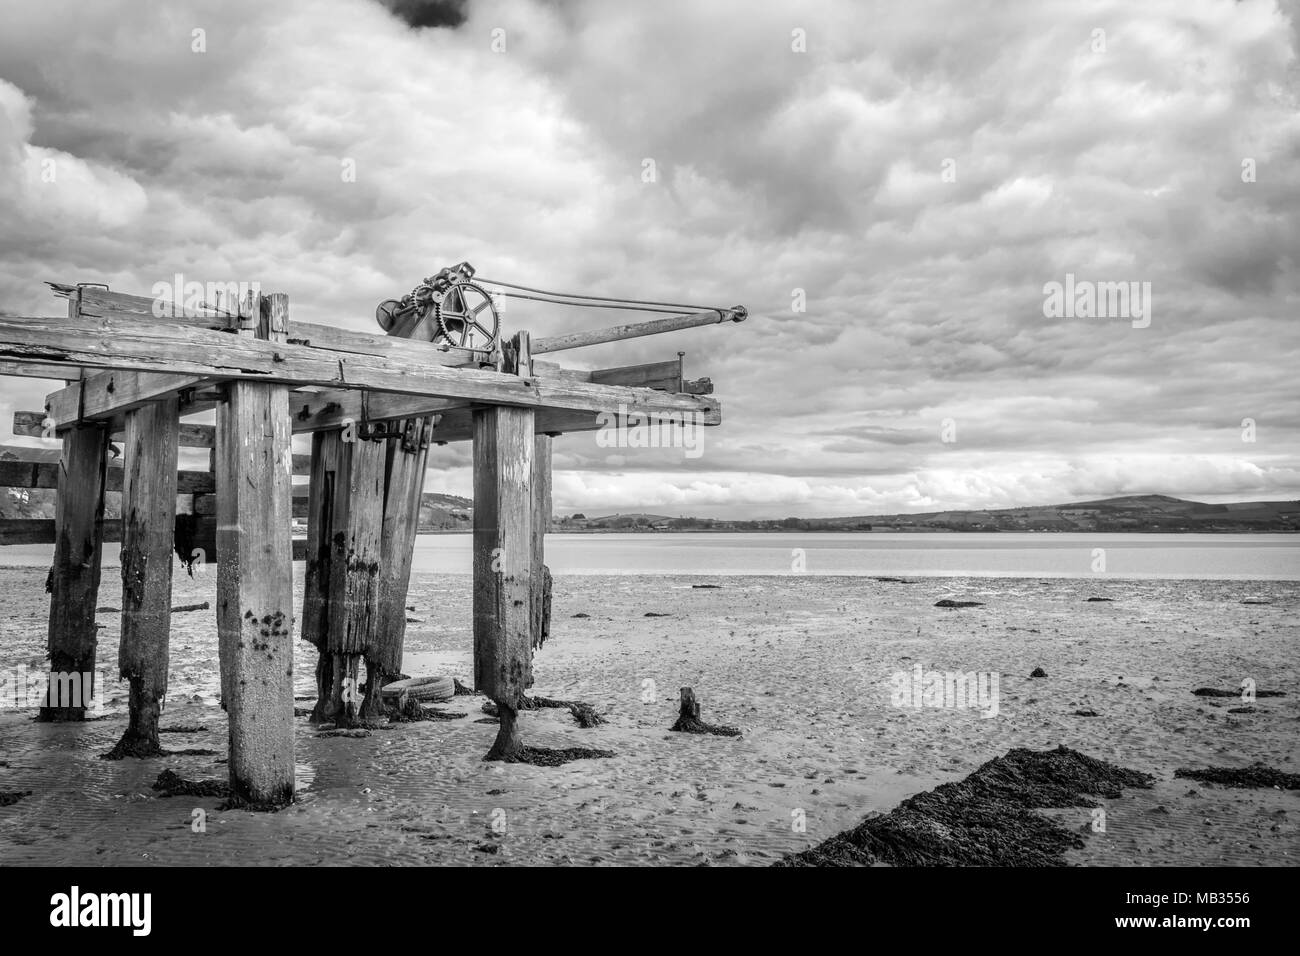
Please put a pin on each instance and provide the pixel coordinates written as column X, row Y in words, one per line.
column 341, row 594
column 255, row 572
column 541, row 524
column 148, row 519
column 354, row 572
column 74, row 578
column 503, row 452
column 404, row 483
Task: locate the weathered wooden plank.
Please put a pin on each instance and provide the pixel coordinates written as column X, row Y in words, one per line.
column 35, row 370
column 41, row 531
column 662, row 375
column 112, row 393
column 207, row 504
column 21, row 453
column 336, row 408
column 74, row 579
column 39, row 425
column 148, row 522
column 503, row 452
column 255, row 579
column 35, row 474
column 157, row 346
column 97, row 303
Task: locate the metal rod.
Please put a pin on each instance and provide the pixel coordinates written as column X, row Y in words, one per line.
column 577, row 340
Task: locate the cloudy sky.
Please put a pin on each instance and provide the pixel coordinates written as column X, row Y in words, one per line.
column 914, row 173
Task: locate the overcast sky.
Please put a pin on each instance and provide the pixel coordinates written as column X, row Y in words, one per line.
column 919, row 170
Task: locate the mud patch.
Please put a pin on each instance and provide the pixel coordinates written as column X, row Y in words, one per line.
column 1256, row 775
column 987, row 819
column 10, row 797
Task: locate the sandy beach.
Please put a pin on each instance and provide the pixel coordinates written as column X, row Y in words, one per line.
column 802, row 665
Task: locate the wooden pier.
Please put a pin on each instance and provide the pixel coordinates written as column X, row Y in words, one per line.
column 373, row 404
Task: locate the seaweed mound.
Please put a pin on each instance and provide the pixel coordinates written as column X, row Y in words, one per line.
column 173, row 784
column 987, row 819
column 549, row 757
column 1256, row 775
column 582, row 712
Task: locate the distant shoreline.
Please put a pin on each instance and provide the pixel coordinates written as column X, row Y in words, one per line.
column 804, row 531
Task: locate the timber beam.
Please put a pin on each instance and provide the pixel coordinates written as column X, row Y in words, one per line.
column 162, row 346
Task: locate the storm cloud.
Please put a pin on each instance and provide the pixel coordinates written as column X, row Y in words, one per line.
column 887, row 187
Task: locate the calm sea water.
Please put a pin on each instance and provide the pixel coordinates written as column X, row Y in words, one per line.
column 1251, row 556
column 1257, row 556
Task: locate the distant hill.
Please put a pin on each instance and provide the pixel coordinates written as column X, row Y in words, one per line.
column 1129, row 513
column 440, row 512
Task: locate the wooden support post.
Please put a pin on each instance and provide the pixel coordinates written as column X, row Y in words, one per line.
column 341, row 591
column 503, row 452
column 325, row 449
column 404, row 483
column 148, row 519
column 255, row 575
column 541, row 523
column 354, row 573
column 74, row 580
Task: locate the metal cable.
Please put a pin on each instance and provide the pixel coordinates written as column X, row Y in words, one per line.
column 601, row 301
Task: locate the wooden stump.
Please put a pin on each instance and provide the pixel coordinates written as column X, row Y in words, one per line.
column 689, row 709
column 74, row 578
column 148, row 514
column 688, row 718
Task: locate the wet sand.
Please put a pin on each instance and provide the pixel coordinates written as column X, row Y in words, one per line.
column 802, row 665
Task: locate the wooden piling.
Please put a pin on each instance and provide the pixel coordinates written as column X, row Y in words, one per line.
column 406, row 457
column 74, row 579
column 321, row 500
column 342, row 583
column 354, row 574
column 255, row 575
column 148, row 518
column 503, row 452
column 541, row 523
